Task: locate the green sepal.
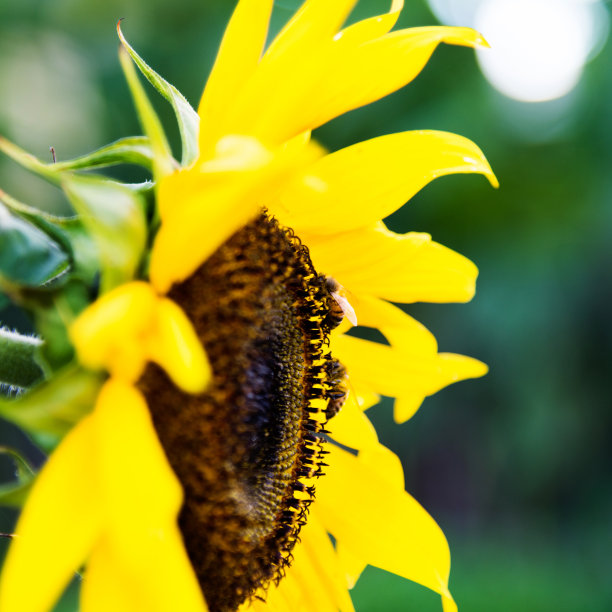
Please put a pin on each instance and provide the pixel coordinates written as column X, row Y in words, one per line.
column 68, row 232
column 163, row 162
column 14, row 493
column 18, row 365
column 131, row 150
column 114, row 215
column 187, row 118
column 134, row 150
column 53, row 312
column 28, row 256
column 48, row 411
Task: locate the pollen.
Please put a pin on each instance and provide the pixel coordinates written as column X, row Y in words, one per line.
column 249, row 449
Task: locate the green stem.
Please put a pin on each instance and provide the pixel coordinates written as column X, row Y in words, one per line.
column 18, row 366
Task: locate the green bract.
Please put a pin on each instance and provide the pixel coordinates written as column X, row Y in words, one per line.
column 55, row 266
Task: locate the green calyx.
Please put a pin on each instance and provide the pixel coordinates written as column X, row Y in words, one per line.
column 53, row 267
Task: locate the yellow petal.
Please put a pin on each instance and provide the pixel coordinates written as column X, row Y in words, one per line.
column 109, row 333
column 373, row 27
column 57, row 528
column 351, row 427
column 175, row 346
column 406, row 406
column 316, row 21
column 315, row 580
column 400, row 268
column 143, row 548
column 237, row 59
column 454, row 368
column 332, row 78
column 377, row 68
column 390, row 371
column 351, row 565
column 364, row 183
column 381, row 524
column 400, row 329
column 111, row 584
column 203, row 206
column 207, row 217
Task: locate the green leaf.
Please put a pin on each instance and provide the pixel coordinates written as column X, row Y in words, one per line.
column 28, row 256
column 53, row 312
column 188, row 119
column 114, row 215
column 28, row 161
column 163, row 162
column 18, row 365
column 68, row 232
column 14, row 493
column 52, row 408
column 131, row 150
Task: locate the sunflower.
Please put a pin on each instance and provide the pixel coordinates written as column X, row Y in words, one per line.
column 227, row 439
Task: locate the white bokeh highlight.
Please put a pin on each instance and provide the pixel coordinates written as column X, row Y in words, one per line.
column 538, row 47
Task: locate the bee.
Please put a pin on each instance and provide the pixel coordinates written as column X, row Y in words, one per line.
column 338, row 392
column 340, row 306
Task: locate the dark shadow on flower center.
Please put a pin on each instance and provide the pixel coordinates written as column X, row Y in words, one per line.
column 247, row 450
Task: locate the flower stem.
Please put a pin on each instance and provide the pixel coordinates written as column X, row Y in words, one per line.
column 18, row 366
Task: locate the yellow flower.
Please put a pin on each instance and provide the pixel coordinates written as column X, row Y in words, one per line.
column 238, row 313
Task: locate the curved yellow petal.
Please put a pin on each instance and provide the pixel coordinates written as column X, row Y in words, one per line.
column 373, row 27
column 397, row 267
column 203, row 206
column 175, row 346
column 454, row 368
column 333, row 78
column 384, row 526
column 143, row 548
column 360, row 75
column 390, row 371
column 406, row 406
column 208, row 215
column 58, row 526
column 109, row 334
column 364, row 183
column 451, row 368
column 237, row 59
column 400, row 329
column 314, row 22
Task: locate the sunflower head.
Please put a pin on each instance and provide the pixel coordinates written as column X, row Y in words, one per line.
column 195, row 382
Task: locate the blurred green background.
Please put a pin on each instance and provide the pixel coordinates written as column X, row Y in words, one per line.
column 515, row 467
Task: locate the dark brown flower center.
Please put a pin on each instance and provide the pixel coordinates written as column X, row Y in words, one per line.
column 246, row 450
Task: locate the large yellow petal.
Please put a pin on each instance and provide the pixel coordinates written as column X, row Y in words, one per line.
column 57, row 528
column 208, row 215
column 202, row 207
column 397, row 267
column 237, row 59
column 286, row 98
column 381, row 524
column 315, row 579
column 142, row 550
column 364, row 183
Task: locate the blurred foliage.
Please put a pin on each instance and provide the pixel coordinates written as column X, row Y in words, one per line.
column 516, row 467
